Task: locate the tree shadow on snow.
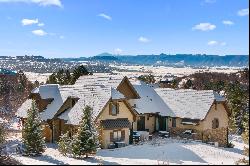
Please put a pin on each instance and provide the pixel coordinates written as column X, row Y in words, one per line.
column 49, row 159
column 99, row 161
column 234, row 150
column 172, row 153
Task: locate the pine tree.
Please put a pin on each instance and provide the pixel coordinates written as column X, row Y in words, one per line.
column 79, row 71
column 34, row 143
column 64, row 144
column 86, row 141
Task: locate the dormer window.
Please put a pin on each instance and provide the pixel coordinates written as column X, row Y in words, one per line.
column 114, row 108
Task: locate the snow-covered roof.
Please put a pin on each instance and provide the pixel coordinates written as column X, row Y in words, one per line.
column 22, row 111
column 150, row 101
column 188, row 103
column 92, row 90
column 116, row 94
column 48, row 91
column 100, row 79
column 95, row 97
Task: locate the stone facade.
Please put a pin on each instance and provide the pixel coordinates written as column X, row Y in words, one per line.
column 219, row 135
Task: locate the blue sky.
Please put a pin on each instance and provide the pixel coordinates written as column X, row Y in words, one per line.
column 75, row 28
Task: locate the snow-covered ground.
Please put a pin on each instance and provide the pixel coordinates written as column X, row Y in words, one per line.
column 40, row 77
column 161, row 151
column 181, row 71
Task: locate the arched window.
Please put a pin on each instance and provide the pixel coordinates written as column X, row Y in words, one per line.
column 215, row 123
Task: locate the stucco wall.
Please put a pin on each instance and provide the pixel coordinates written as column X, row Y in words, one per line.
column 105, row 137
column 181, row 126
column 150, row 123
column 123, row 113
column 220, row 113
column 204, row 130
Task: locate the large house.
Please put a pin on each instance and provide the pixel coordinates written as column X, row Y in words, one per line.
column 121, row 105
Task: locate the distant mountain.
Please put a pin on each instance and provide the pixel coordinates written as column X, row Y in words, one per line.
column 105, row 54
column 104, row 58
column 178, row 60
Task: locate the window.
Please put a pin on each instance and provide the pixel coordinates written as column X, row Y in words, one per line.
column 113, row 109
column 117, row 136
column 174, row 122
column 215, row 123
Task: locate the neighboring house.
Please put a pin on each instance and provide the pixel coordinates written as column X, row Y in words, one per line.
column 205, row 112
column 121, row 105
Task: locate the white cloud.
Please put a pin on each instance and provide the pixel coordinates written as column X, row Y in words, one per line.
column 143, row 39
column 29, row 21
column 204, row 27
column 39, row 2
column 40, row 24
column 39, row 32
column 105, row 16
column 118, row 51
column 243, row 12
column 227, row 22
column 212, row 43
column 215, row 43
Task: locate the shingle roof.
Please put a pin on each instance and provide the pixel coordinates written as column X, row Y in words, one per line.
column 115, row 123
column 49, row 91
column 150, row 101
column 187, row 103
column 93, row 90
column 22, row 111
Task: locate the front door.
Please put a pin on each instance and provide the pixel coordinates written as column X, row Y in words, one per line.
column 141, row 123
column 162, row 123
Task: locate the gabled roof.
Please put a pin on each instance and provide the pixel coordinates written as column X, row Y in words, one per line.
column 94, row 97
column 48, row 91
column 22, row 111
column 115, row 95
column 187, row 103
column 92, row 90
column 150, row 101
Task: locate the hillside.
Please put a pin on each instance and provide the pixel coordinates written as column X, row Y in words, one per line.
column 178, row 60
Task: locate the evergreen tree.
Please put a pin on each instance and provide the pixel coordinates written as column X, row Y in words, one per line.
column 188, row 84
column 64, row 144
column 79, row 71
column 86, row 140
column 34, row 143
column 149, row 79
column 237, row 98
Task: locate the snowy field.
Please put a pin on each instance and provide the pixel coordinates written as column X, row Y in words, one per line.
column 159, row 152
column 141, row 70
column 163, row 70
column 40, row 77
